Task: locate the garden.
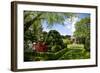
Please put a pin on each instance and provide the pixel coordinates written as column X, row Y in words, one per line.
column 45, row 39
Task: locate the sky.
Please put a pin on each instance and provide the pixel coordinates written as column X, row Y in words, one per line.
column 68, row 28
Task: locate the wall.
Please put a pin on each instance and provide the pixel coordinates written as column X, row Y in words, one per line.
column 5, row 38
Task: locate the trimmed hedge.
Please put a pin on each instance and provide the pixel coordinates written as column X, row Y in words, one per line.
column 75, row 54
column 72, row 52
column 75, row 46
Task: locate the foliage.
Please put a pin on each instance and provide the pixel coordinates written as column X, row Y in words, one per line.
column 75, row 51
column 76, row 46
column 67, row 41
column 56, row 48
column 54, row 41
column 64, row 54
column 44, row 36
column 58, row 45
column 28, row 56
column 82, row 32
column 87, row 44
column 83, row 28
column 72, row 54
column 51, row 18
column 33, row 24
column 60, row 53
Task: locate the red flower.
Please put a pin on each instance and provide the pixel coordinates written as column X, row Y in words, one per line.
column 40, row 47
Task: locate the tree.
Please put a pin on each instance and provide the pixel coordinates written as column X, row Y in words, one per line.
column 30, row 18
column 54, row 41
column 82, row 32
column 51, row 18
column 44, row 37
column 33, row 23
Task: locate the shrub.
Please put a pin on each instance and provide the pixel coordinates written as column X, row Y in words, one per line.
column 40, row 58
column 28, row 56
column 60, row 53
column 54, row 38
column 75, row 46
column 86, row 54
column 67, row 41
column 87, row 44
column 75, row 54
column 56, row 48
column 45, row 55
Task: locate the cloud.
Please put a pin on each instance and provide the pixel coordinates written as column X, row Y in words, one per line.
column 68, row 27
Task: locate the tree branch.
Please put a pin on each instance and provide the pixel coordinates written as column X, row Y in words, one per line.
column 28, row 24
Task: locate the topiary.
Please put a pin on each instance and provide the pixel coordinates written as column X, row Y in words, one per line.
column 54, row 38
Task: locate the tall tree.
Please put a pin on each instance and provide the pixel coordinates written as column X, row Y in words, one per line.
column 82, row 31
column 50, row 17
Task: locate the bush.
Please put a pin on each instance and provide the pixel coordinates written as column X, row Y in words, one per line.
column 28, row 56
column 54, row 38
column 86, row 54
column 40, row 58
column 67, row 41
column 87, row 44
column 45, row 55
column 75, row 46
column 60, row 53
column 75, row 54
column 56, row 48
column 74, row 51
